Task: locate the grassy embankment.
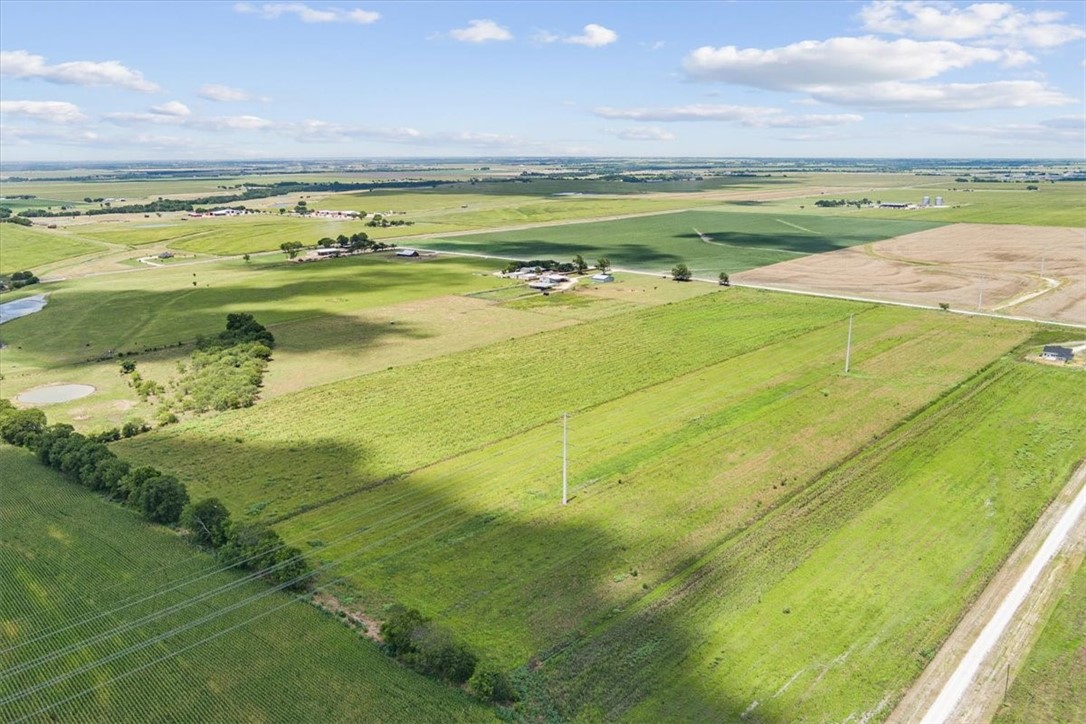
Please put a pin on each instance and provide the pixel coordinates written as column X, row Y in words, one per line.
column 80, row 574
column 1052, row 683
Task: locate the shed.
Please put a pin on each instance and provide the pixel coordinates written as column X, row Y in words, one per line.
column 407, row 252
column 602, row 277
column 1057, row 353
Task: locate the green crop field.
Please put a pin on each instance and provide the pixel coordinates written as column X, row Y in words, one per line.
column 1052, row 684
column 35, row 249
column 732, row 242
column 104, row 617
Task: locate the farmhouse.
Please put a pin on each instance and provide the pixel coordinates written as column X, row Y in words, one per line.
column 543, row 283
column 1057, row 354
column 407, row 252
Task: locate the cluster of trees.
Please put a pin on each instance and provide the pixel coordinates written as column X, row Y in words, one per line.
column 359, row 241
column 681, row 273
column 6, row 216
column 414, row 640
column 21, row 279
column 88, row 461
column 379, row 220
column 224, row 378
column 159, row 497
column 832, row 203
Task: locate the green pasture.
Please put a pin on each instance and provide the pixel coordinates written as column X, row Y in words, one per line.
column 832, row 604
column 1052, row 683
column 733, row 242
column 104, row 617
column 155, row 307
column 28, row 247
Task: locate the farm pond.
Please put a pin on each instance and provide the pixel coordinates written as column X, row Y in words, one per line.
column 21, row 307
column 49, row 394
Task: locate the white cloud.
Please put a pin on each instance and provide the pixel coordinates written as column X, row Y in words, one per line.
column 21, row 64
column 173, row 108
column 24, row 136
column 225, row 94
column 593, row 36
column 48, row 111
column 984, row 22
column 918, row 97
column 307, row 14
column 481, row 31
column 178, row 114
column 649, row 133
column 837, row 62
column 750, row 116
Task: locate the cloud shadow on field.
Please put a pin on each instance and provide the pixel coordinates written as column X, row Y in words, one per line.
column 791, row 241
column 527, row 249
column 486, row 574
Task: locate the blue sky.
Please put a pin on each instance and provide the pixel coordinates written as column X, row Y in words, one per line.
column 82, row 81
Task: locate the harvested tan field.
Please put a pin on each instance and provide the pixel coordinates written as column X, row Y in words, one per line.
column 1028, row 271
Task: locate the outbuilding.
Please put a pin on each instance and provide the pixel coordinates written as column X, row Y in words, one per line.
column 602, row 277
column 407, row 252
column 1057, row 354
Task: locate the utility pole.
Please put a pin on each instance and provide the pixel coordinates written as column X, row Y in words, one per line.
column 980, row 294
column 848, row 344
column 565, row 459
column 1042, row 266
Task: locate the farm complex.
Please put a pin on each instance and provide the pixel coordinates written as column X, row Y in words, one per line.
column 549, row 441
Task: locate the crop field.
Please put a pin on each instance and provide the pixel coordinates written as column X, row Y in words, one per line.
column 35, row 249
column 1053, row 204
column 1052, row 684
column 707, row 241
column 106, row 618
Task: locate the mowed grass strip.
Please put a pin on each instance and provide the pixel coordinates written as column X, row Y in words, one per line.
column 66, row 557
column 707, row 241
column 300, row 450
column 1052, row 683
column 29, row 248
column 657, row 477
column 829, row 607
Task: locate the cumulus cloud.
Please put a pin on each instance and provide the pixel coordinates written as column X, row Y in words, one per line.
column 26, row 136
column 225, row 94
column 315, row 131
column 48, row 111
column 648, row 133
column 750, row 116
column 919, row 97
column 173, row 108
column 307, row 14
column 984, row 22
column 837, row 61
column 592, row 36
column 21, row 64
column 481, row 31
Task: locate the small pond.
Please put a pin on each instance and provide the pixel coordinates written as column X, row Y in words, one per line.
column 21, row 307
column 49, row 394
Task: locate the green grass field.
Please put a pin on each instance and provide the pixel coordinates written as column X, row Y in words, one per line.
column 699, row 454
column 35, row 249
column 104, row 617
column 1052, row 683
column 733, row 242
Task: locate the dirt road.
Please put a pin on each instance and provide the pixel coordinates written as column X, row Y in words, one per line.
column 968, row 678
